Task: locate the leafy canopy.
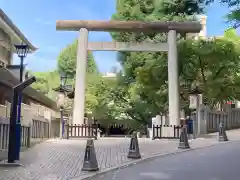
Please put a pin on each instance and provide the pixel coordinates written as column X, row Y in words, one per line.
column 67, row 61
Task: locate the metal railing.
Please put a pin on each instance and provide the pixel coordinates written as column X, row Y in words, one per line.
column 38, row 130
column 4, row 135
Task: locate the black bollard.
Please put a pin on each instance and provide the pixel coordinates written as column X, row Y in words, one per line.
column 90, row 160
column 222, row 135
column 183, row 144
column 134, row 152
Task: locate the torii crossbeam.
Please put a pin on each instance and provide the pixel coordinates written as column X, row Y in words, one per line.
column 172, row 28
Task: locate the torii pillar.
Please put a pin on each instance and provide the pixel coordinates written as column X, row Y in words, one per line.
column 172, row 28
column 80, row 81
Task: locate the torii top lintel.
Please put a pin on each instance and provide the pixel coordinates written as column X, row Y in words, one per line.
column 128, row 26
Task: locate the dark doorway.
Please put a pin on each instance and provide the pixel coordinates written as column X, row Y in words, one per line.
column 116, row 130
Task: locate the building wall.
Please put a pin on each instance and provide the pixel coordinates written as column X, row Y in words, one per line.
column 5, row 48
column 15, row 70
column 203, row 32
column 30, row 112
column 203, row 21
column 30, row 108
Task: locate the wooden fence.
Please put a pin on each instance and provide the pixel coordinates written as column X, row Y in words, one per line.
column 4, row 135
column 38, row 130
column 80, row 131
column 166, row 131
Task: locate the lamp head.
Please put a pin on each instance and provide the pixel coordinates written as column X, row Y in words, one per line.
column 22, row 50
column 63, row 79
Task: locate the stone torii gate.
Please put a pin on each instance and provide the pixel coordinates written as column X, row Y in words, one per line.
column 172, row 28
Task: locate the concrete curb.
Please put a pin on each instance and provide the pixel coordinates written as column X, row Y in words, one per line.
column 127, row 164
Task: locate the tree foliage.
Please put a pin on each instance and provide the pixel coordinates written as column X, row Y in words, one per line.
column 67, row 65
column 148, row 71
column 211, row 64
column 46, row 81
column 140, row 91
column 67, row 61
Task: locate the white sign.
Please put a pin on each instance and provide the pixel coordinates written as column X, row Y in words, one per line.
column 61, row 99
column 154, row 121
column 192, row 102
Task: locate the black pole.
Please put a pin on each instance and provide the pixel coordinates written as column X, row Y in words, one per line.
column 18, row 127
column 62, row 121
column 12, row 132
column 12, row 143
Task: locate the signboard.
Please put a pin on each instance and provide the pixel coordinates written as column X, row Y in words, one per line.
column 154, row 121
column 192, row 102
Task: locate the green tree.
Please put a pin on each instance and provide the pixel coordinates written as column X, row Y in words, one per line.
column 231, row 35
column 46, row 81
column 104, row 109
column 41, row 84
column 67, row 64
column 67, row 61
column 212, row 65
column 147, row 72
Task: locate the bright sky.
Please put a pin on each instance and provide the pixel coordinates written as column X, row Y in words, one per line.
column 36, row 19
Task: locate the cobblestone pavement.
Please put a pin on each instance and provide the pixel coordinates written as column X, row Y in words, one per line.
column 62, row 159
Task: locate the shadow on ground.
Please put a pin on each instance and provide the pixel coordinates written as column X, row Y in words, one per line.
column 4, row 153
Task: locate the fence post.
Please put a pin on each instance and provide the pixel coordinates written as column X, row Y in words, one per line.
column 96, row 131
column 229, row 120
column 202, row 119
column 153, row 131
column 29, row 137
column 68, row 131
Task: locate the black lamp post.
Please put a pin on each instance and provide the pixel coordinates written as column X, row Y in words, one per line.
column 22, row 51
column 62, row 90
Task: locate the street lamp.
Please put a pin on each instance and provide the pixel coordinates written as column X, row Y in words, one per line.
column 61, row 99
column 22, row 51
column 63, row 80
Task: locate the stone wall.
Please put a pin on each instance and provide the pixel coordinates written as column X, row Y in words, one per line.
column 207, row 120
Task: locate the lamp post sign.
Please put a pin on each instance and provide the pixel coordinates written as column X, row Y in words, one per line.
column 193, row 101
column 61, row 99
column 60, row 103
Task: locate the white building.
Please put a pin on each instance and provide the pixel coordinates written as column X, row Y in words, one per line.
column 109, row 75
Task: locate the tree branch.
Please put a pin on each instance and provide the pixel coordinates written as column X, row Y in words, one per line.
column 182, row 96
column 202, row 71
column 141, row 119
column 218, row 72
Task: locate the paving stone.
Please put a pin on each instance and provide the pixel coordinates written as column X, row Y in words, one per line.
column 62, row 159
